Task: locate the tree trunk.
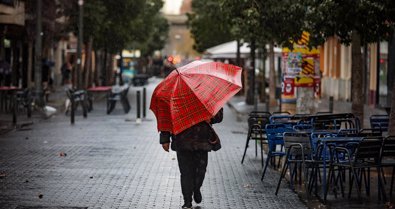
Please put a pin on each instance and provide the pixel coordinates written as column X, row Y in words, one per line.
column 390, row 84
column 251, row 77
column 109, row 73
column 358, row 93
column 121, row 68
column 263, row 81
column 272, row 77
column 30, row 65
column 38, row 92
column 105, row 75
column 238, row 53
column 391, row 69
column 15, row 63
column 2, row 37
column 391, row 127
column 88, row 62
column 98, row 72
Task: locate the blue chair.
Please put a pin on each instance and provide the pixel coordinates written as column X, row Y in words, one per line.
column 303, row 127
column 379, row 122
column 274, row 133
column 366, row 155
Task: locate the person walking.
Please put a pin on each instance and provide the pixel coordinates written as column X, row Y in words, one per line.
column 192, row 146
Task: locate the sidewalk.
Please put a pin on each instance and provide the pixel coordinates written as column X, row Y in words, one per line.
column 110, row 161
column 238, row 105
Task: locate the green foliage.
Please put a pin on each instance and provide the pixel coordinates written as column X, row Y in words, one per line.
column 150, row 29
column 115, row 25
column 369, row 18
column 157, row 37
column 266, row 21
column 209, row 27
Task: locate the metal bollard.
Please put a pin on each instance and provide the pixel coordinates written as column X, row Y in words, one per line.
column 72, row 108
column 331, row 104
column 138, row 119
column 144, row 101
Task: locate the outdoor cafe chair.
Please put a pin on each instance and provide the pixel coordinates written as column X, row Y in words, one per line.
column 288, row 120
column 303, row 128
column 118, row 93
column 257, row 121
column 329, row 122
column 321, row 153
column 298, row 157
column 365, row 132
column 274, row 133
column 388, row 159
column 379, row 122
column 281, row 113
column 24, row 100
column 78, row 98
column 358, row 162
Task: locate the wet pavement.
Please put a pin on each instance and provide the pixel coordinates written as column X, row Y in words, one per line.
column 111, row 161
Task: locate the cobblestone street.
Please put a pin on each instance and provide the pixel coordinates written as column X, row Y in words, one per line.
column 110, row 161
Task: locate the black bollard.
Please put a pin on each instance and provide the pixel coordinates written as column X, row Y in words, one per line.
column 72, row 108
column 144, row 101
column 138, row 120
column 331, row 104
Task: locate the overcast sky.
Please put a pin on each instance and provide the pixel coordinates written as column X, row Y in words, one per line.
column 172, row 6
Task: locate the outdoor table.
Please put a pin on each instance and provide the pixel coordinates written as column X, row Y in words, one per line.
column 8, row 90
column 97, row 89
column 339, row 141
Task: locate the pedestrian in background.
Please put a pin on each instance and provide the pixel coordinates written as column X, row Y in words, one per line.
column 192, row 147
column 66, row 74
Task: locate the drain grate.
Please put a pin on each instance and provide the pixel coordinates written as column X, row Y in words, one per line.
column 49, row 207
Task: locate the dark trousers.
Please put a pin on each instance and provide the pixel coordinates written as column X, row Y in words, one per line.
column 192, row 166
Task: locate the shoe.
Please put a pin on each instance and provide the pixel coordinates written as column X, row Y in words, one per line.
column 197, row 196
column 187, row 205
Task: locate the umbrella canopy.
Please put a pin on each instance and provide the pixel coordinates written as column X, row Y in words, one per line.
column 194, row 93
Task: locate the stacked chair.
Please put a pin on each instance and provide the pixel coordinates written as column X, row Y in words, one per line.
column 257, row 121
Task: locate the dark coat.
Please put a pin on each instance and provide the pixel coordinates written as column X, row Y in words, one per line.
column 194, row 138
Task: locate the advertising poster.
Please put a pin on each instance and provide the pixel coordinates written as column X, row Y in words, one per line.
column 301, row 75
column 288, row 87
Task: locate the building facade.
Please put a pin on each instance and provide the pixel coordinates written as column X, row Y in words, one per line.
column 335, row 64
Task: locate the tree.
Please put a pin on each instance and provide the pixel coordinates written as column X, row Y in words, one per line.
column 152, row 29
column 245, row 25
column 390, row 14
column 353, row 22
column 115, row 25
column 40, row 29
column 266, row 22
column 284, row 21
column 209, row 27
